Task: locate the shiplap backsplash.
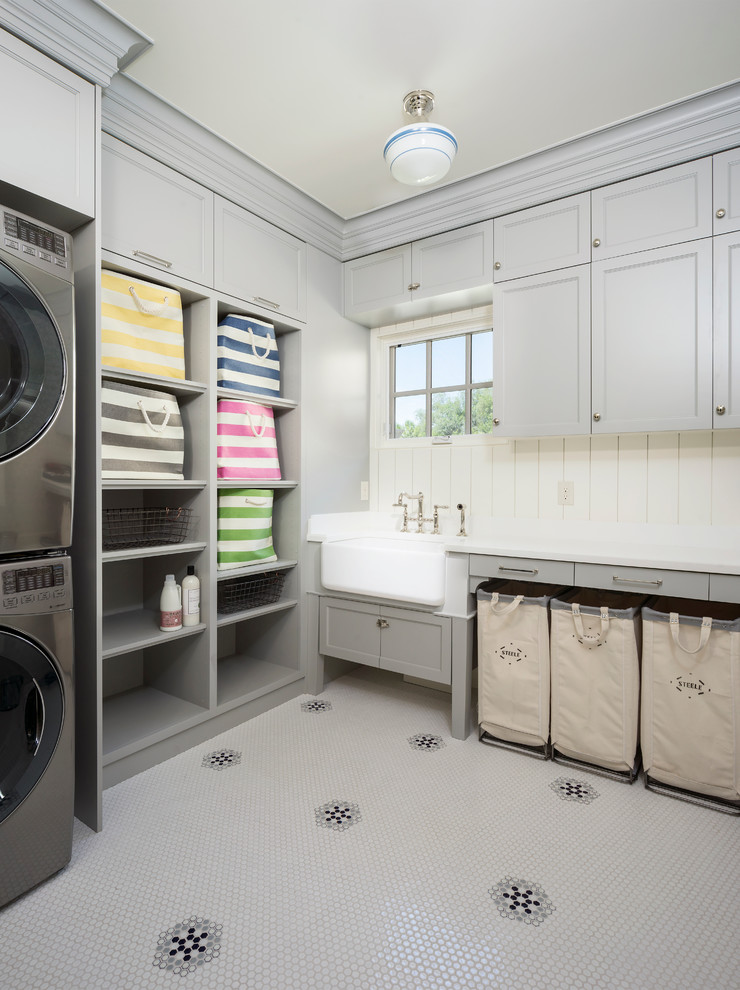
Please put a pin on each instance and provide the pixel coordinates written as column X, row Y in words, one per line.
column 689, row 478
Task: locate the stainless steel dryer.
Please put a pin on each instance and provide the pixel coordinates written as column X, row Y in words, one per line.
column 36, row 385
column 36, row 721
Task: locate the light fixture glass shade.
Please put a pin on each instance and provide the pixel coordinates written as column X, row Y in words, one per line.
column 419, row 154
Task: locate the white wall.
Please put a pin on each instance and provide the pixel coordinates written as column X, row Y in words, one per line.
column 688, row 478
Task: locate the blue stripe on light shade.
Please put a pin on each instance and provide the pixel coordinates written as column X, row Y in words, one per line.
column 417, row 129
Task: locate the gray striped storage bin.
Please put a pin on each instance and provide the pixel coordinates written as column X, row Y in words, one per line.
column 143, row 435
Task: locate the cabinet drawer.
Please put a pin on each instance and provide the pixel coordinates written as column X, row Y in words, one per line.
column 724, row 588
column 677, row 584
column 484, row 566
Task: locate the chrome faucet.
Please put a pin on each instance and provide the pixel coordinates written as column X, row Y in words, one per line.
column 436, row 518
column 420, row 510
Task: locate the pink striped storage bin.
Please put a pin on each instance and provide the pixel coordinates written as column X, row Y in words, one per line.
column 247, row 444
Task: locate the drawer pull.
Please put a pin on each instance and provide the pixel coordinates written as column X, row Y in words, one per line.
column 267, row 302
column 520, row 570
column 383, row 624
column 621, row 580
column 152, row 257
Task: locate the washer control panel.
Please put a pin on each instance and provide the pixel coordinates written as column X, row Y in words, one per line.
column 42, row 246
column 31, row 586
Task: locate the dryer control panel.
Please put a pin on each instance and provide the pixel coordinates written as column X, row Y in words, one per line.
column 34, row 585
column 42, row 246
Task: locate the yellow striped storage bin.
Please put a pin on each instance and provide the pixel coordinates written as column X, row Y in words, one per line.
column 142, row 326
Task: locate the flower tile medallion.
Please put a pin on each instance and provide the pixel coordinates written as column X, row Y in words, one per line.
column 221, row 759
column 338, row 815
column 316, row 705
column 188, row 945
column 425, row 742
column 521, row 900
column 570, row 789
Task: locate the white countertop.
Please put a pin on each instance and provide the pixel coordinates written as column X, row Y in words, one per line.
column 710, row 549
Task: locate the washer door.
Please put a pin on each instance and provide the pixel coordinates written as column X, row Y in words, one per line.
column 31, row 717
column 32, row 364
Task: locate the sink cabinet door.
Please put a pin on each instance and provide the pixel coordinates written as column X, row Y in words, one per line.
column 415, row 643
column 350, row 630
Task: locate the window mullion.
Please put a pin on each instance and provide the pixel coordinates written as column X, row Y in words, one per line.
column 429, row 388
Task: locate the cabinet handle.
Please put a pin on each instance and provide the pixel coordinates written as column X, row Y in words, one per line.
column 520, row 570
column 414, row 285
column 382, row 623
column 597, row 242
column 496, row 421
column 267, row 302
column 152, row 257
column 597, row 417
column 497, row 266
column 720, row 213
column 721, row 410
column 621, row 580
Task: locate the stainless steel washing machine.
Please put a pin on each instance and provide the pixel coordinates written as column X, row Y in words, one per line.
column 36, row 385
column 36, row 721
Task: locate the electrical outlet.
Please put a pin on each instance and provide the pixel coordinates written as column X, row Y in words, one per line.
column 565, row 493
column 364, row 495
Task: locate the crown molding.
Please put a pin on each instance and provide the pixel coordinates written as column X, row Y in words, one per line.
column 84, row 36
column 702, row 125
column 139, row 117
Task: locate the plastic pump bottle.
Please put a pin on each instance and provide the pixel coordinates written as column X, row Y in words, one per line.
column 190, row 598
column 170, row 605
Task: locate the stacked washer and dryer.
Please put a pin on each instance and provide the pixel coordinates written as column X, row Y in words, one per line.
column 36, row 501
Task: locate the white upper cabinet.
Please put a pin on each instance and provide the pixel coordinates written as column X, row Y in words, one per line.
column 155, row 215
column 543, row 238
column 652, row 340
column 727, row 191
column 727, row 331
column 542, row 348
column 259, row 262
column 666, row 207
column 48, row 128
column 442, row 273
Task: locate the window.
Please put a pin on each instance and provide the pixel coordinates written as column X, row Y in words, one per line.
column 442, row 386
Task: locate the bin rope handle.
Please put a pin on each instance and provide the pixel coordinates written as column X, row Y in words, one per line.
column 706, row 628
column 581, row 635
column 504, row 609
column 156, row 429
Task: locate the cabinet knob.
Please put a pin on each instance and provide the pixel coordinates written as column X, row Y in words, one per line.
column 497, row 266
column 496, row 421
column 596, row 242
column 414, row 285
column 597, row 417
column 720, row 410
column 719, row 214
column 382, row 623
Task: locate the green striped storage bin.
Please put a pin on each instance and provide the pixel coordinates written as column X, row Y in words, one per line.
column 244, row 527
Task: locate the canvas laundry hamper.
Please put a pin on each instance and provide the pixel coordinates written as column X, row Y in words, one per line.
column 595, row 679
column 690, row 720
column 514, row 663
column 141, row 326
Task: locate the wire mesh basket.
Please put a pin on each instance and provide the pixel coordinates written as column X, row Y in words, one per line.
column 128, row 528
column 251, row 591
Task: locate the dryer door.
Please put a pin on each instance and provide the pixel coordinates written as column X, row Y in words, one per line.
column 31, row 717
column 33, row 368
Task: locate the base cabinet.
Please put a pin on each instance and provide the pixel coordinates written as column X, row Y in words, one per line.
column 398, row 639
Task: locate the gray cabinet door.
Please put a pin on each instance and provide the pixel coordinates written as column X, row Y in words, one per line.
column 48, row 128
column 542, row 359
column 155, row 215
column 543, row 238
column 652, row 340
column 726, row 173
column 666, row 207
column 453, row 262
column 350, row 630
column 727, row 331
column 416, row 643
column 377, row 281
column 257, row 261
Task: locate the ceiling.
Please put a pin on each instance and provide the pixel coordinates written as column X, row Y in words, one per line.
column 311, row 90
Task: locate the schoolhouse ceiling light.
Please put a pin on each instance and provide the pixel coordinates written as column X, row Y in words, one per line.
column 421, row 152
